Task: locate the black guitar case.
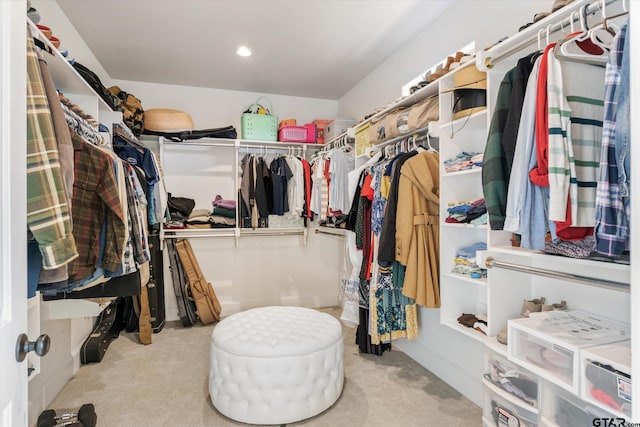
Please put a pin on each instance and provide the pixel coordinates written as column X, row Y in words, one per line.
column 107, row 329
column 186, row 303
column 155, row 286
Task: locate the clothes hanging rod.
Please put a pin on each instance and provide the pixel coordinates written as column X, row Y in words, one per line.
column 329, row 232
column 190, row 235
column 418, row 132
column 490, row 262
column 486, row 59
column 267, row 232
column 241, row 143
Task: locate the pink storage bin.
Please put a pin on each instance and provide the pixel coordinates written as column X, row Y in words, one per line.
column 306, row 133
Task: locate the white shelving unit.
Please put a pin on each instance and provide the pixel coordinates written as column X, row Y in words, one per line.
column 606, row 293
column 461, row 294
column 213, row 168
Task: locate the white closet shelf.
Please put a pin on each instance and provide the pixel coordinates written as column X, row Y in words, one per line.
column 68, row 80
column 425, row 92
column 499, row 348
column 456, row 225
column 464, row 121
column 464, row 278
column 598, row 270
column 429, row 90
column 471, row 171
column 69, row 308
column 470, row 332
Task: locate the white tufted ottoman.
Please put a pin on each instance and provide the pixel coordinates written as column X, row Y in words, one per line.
column 275, row 365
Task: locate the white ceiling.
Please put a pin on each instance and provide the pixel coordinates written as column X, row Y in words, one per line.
column 308, row 48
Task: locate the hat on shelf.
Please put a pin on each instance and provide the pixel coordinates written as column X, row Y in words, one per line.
column 469, row 91
column 167, row 120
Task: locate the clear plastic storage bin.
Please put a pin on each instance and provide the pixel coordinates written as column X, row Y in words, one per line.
column 548, row 343
column 513, row 379
column 499, row 412
column 606, row 381
column 560, row 408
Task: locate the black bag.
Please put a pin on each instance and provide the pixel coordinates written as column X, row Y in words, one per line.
column 107, row 328
column 181, row 205
column 94, row 81
column 155, row 286
column 186, row 303
column 228, row 132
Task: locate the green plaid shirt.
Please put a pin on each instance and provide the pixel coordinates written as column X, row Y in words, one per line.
column 48, row 216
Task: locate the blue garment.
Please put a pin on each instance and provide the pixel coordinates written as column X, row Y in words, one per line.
column 459, row 209
column 623, row 121
column 379, row 202
column 137, row 157
column 525, row 146
column 34, row 265
column 534, row 222
column 470, row 251
column 612, row 219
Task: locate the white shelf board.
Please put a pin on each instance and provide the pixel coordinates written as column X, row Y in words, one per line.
column 464, row 278
column 472, row 171
column 68, row 308
column 462, row 121
column 453, row 225
column 470, row 332
column 493, row 344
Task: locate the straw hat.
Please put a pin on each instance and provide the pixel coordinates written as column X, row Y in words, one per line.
column 468, row 78
column 469, row 92
column 167, row 120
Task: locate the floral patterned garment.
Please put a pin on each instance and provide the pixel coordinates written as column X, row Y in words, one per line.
column 395, row 315
column 379, row 201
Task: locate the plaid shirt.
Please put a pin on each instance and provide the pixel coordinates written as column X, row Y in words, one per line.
column 47, row 204
column 95, row 200
column 612, row 224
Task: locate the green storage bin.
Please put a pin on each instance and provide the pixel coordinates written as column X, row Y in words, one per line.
column 259, row 127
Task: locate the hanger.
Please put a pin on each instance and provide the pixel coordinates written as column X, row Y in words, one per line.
column 580, row 46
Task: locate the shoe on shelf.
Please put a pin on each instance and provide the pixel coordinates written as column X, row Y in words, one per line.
column 558, row 4
column 531, row 306
column 560, row 306
column 502, row 336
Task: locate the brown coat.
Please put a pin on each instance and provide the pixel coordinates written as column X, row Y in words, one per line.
column 417, row 228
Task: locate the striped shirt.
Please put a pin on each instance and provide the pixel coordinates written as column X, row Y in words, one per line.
column 576, row 100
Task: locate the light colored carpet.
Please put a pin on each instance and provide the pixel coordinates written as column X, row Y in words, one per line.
column 166, row 384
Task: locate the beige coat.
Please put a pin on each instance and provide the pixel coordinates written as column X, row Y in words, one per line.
column 417, row 228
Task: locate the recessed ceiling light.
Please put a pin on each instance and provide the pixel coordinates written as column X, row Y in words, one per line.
column 243, row 51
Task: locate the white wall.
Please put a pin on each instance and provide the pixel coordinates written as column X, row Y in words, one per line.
column 455, row 358
column 465, row 21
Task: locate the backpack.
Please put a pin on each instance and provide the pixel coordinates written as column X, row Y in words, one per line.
column 207, row 305
column 132, row 111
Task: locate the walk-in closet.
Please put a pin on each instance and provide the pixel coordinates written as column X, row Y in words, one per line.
column 414, row 213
